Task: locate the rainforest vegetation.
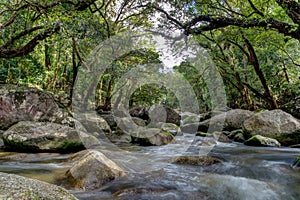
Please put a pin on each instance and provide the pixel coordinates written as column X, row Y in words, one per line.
column 254, row 45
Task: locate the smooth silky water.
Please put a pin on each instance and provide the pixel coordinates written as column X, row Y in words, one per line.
column 246, row 173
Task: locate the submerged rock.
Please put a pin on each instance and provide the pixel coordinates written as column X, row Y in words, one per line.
column 203, row 160
column 21, row 188
column 224, row 187
column 259, row 140
column 28, row 136
column 275, row 124
column 134, row 192
column 92, row 170
column 27, row 104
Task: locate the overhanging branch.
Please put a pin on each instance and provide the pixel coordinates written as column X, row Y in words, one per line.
column 29, row 47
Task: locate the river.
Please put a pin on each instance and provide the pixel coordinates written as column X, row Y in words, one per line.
column 246, row 172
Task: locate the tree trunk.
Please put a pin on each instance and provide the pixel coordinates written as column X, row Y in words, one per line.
column 107, row 105
column 75, row 67
column 254, row 61
column 47, row 58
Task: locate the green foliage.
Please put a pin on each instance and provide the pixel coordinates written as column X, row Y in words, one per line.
column 55, row 61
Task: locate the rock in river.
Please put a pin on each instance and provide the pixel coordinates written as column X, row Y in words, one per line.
column 201, row 160
column 29, row 136
column 152, row 136
column 258, row 140
column 275, row 124
column 27, row 104
column 21, row 188
column 91, row 170
column 230, row 120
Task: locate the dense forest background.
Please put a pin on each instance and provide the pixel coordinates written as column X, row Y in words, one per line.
column 254, row 45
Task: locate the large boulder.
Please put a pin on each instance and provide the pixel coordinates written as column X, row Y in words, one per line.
column 27, row 104
column 258, row 140
column 21, row 188
column 275, row 124
column 91, row 170
column 42, row 136
column 229, row 121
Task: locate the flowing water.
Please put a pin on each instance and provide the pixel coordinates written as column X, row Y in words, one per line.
column 245, row 173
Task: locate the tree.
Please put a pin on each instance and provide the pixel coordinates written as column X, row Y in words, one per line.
column 229, row 29
column 23, row 23
column 45, row 43
column 202, row 16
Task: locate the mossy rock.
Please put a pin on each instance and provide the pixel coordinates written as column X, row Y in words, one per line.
column 152, row 136
column 275, row 124
column 191, row 119
column 237, row 135
column 259, row 140
column 202, row 134
column 296, row 163
column 235, row 132
column 288, row 139
column 203, row 160
column 42, row 137
column 168, row 127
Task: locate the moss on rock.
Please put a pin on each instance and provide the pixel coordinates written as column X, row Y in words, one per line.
column 202, row 134
column 259, row 140
column 203, row 160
